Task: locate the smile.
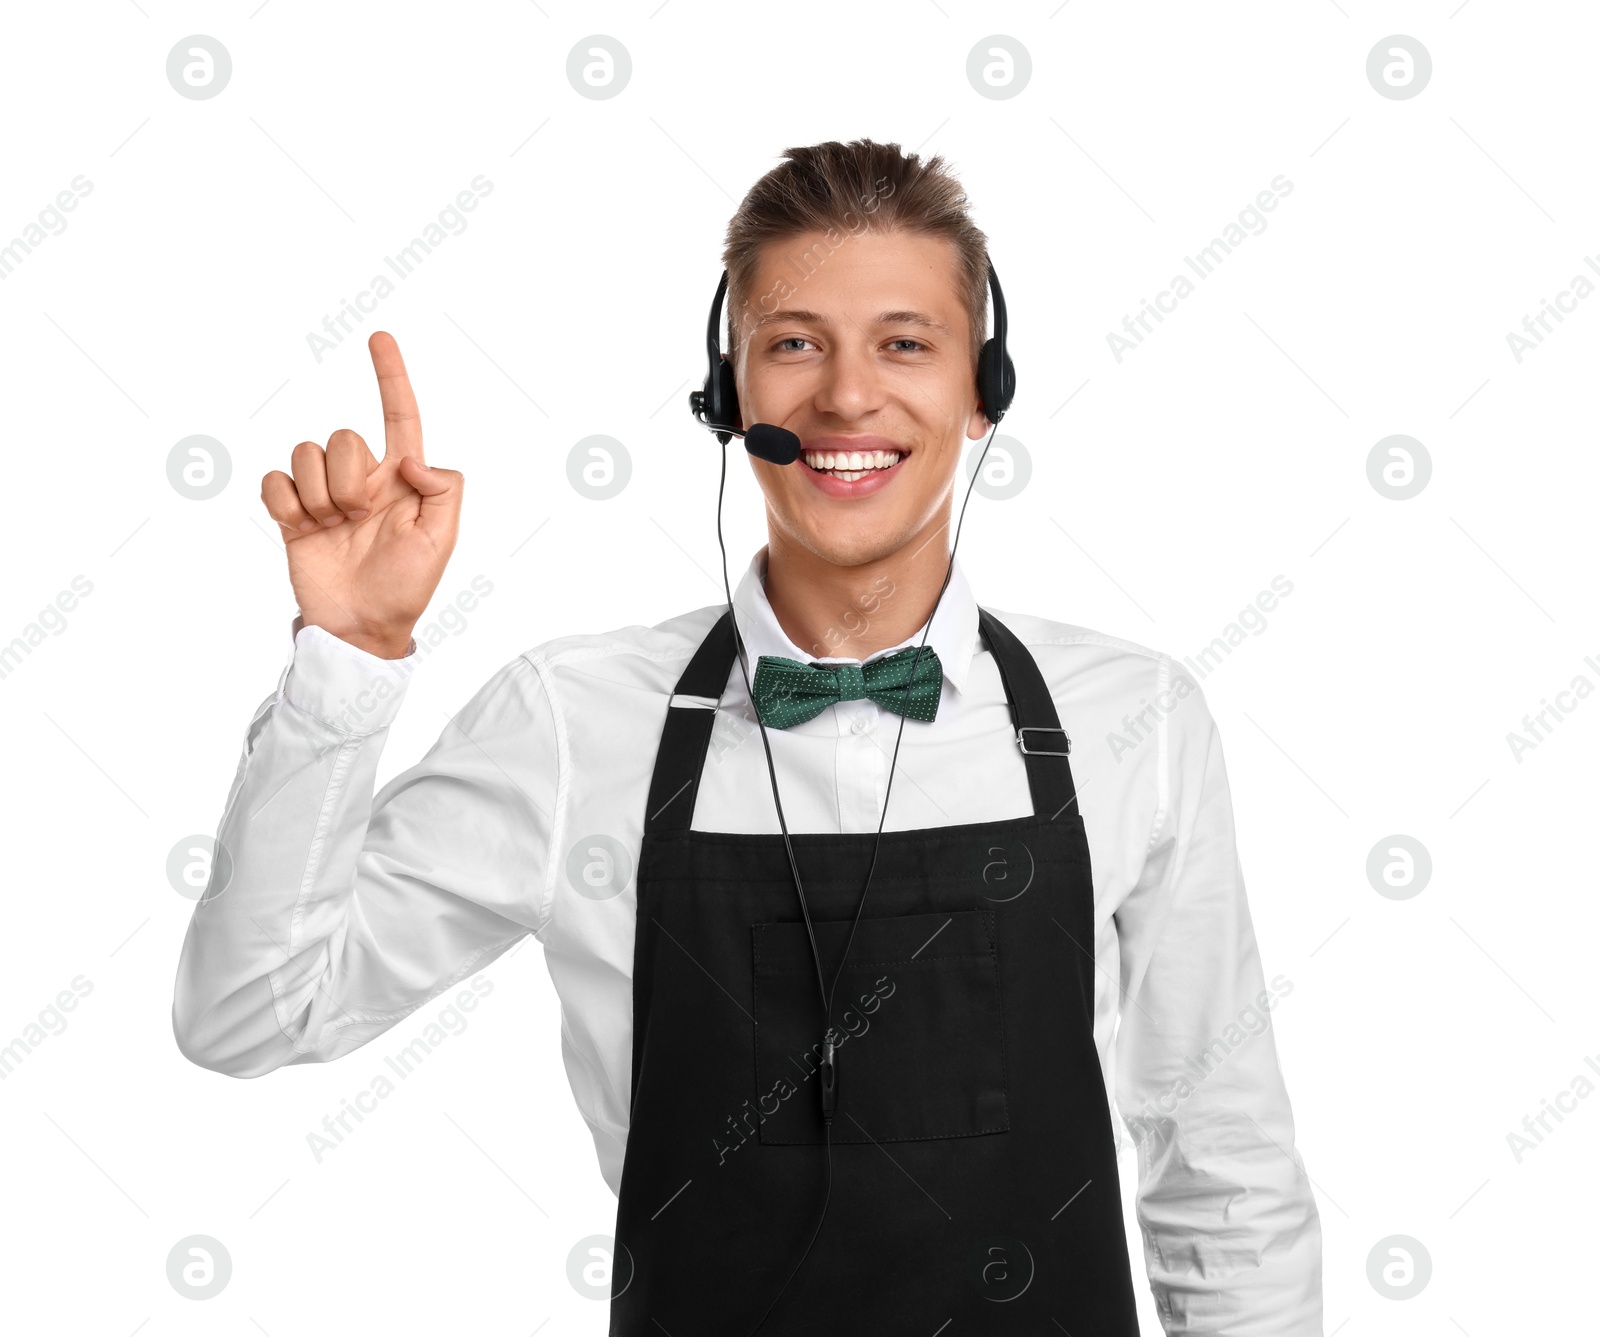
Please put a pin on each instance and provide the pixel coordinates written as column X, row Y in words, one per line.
column 850, row 465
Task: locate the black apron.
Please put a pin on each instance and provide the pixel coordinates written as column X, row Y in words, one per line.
column 974, row 1167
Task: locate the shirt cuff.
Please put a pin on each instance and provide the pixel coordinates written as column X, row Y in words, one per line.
column 349, row 689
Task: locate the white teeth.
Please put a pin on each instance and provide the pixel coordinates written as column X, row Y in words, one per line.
column 851, row 464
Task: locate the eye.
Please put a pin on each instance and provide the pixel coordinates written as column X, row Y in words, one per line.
column 792, row 339
column 913, row 342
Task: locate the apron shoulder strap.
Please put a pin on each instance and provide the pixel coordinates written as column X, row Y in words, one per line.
column 687, row 735
column 1043, row 741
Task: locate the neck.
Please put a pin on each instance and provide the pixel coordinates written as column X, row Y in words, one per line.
column 855, row 611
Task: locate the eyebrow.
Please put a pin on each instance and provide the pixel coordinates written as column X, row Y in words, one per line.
column 799, row 317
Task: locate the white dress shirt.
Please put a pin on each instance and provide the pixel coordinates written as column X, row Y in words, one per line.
column 347, row 911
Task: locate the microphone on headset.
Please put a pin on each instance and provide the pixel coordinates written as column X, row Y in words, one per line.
column 776, row 444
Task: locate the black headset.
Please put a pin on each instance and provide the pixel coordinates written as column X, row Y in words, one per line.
column 716, row 405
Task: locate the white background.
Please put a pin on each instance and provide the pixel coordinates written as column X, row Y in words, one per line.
column 1229, row 448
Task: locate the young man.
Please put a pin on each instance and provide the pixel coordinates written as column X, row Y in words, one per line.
column 614, row 796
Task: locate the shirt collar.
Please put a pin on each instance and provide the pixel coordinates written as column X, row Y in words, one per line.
column 953, row 636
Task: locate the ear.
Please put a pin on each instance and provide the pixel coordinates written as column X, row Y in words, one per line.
column 977, row 424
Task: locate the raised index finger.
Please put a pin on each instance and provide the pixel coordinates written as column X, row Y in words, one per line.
column 402, row 424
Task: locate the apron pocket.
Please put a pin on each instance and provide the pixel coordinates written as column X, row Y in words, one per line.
column 920, row 1043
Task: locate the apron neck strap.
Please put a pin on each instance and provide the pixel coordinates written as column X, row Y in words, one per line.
column 686, row 736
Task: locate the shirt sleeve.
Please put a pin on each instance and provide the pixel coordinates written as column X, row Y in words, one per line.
column 332, row 914
column 1232, row 1238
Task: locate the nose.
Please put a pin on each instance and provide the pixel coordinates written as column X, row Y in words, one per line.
column 852, row 382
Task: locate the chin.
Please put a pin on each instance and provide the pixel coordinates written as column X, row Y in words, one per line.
column 856, row 548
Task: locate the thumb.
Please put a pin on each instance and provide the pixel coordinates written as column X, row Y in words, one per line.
column 427, row 480
column 440, row 490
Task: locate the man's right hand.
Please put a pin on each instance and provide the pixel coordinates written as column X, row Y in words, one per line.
column 367, row 539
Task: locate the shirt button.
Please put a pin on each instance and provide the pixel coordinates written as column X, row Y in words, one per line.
column 860, row 724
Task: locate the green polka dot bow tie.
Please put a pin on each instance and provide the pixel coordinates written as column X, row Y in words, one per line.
column 789, row 692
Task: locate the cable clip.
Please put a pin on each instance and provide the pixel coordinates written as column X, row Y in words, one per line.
column 830, row 1078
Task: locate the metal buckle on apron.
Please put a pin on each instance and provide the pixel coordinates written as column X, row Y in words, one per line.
column 1042, row 728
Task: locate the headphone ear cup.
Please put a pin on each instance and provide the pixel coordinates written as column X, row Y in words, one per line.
column 724, row 395
column 997, row 380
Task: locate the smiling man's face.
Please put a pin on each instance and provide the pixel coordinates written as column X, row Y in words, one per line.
column 870, row 354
